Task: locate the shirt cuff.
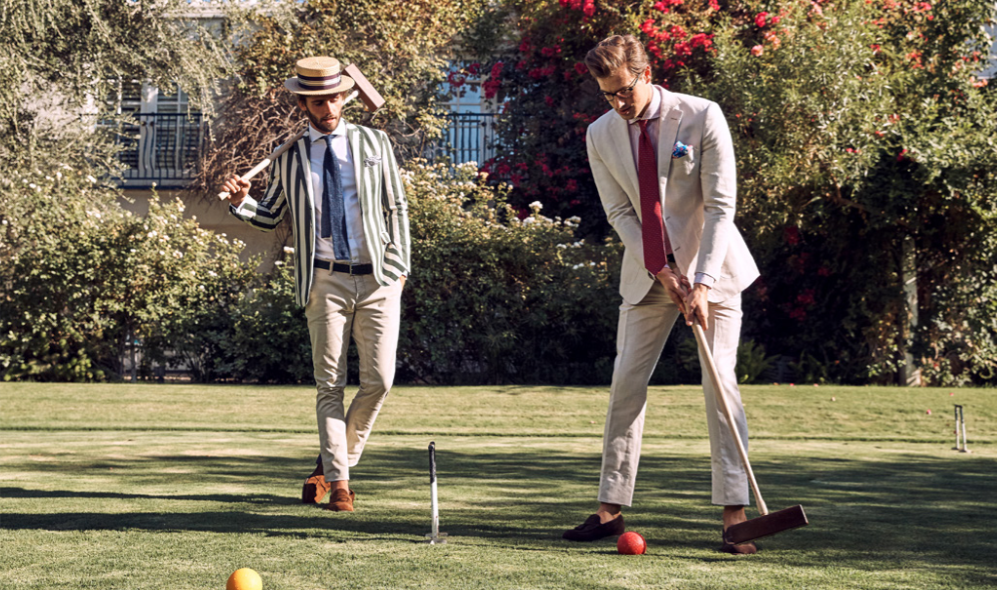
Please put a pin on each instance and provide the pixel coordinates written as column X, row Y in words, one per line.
column 704, row 279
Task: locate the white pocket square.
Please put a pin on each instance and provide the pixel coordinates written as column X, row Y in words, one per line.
column 372, row 160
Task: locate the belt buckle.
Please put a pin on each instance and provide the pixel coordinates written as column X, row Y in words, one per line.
column 351, row 269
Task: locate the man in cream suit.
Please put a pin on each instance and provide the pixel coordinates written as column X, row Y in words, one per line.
column 339, row 184
column 664, row 167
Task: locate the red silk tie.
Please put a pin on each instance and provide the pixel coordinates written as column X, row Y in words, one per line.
column 652, row 227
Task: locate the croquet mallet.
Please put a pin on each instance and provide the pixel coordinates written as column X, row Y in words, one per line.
column 768, row 523
column 371, row 98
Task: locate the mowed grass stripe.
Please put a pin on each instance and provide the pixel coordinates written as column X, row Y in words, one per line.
column 774, row 412
column 660, row 436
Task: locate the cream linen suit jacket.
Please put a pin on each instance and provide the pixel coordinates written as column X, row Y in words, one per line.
column 698, row 190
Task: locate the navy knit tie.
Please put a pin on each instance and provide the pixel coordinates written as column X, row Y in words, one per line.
column 333, row 209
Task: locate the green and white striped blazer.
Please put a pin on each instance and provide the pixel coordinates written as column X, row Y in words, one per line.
column 382, row 200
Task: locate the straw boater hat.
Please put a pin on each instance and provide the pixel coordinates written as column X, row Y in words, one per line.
column 318, row 75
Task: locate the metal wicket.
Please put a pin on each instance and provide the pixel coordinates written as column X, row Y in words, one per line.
column 961, row 443
column 435, row 536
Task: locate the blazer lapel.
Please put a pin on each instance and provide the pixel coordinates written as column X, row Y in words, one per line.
column 668, row 130
column 620, row 133
column 355, row 148
column 305, row 165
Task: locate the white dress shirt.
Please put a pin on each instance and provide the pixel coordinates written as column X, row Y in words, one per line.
column 653, row 114
column 343, row 158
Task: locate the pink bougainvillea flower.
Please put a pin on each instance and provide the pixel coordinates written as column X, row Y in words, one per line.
column 757, row 50
column 760, row 19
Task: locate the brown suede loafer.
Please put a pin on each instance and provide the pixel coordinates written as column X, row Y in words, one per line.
column 315, row 487
column 748, row 548
column 341, row 501
column 593, row 530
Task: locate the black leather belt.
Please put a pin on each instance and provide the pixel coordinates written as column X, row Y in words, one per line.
column 356, row 269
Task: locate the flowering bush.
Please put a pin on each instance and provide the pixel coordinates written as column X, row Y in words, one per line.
column 497, row 297
column 859, row 126
column 81, row 276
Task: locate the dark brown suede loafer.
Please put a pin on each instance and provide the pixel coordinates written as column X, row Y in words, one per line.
column 315, row 487
column 748, row 548
column 593, row 530
column 341, row 501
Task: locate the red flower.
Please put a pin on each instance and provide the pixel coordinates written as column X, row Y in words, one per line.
column 806, row 297
column 824, row 271
column 702, row 40
column 714, row 5
column 792, row 234
column 581, row 69
column 901, row 155
column 549, row 100
column 571, row 186
column 589, row 8
column 547, row 51
column 760, row 19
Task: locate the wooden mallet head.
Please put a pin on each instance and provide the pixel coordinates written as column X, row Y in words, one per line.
column 371, row 98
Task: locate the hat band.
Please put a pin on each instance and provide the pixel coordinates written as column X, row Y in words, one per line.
column 319, row 82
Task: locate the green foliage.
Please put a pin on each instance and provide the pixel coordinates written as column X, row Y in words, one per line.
column 495, row 298
column 80, row 274
column 270, row 342
column 753, row 364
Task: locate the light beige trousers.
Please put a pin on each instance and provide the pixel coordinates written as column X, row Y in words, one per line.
column 642, row 332
column 339, row 306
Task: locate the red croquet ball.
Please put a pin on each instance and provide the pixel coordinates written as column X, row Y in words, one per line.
column 631, row 543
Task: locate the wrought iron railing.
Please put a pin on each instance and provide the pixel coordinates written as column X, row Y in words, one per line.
column 469, row 137
column 164, row 148
column 161, row 148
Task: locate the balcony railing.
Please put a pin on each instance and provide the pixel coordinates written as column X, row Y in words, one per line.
column 161, row 148
column 470, row 137
column 164, row 148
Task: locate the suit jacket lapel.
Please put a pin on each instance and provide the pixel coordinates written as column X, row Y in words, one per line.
column 668, row 130
column 623, row 151
column 305, row 165
column 355, row 147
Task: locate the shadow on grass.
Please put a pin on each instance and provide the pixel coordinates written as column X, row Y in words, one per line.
column 900, row 510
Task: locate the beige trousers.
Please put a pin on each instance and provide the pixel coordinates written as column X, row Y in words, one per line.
column 642, row 332
column 340, row 305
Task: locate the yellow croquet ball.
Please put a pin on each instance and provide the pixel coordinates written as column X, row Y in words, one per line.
column 244, row 579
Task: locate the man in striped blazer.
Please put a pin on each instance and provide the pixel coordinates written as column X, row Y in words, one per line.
column 339, row 184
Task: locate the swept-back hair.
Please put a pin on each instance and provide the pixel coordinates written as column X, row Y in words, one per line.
column 615, row 52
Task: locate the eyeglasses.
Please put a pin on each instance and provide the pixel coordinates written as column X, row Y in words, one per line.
column 623, row 92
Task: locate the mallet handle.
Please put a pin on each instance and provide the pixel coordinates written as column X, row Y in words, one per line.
column 711, row 367
column 277, row 152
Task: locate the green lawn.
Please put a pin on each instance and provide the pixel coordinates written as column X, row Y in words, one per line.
column 176, row 486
